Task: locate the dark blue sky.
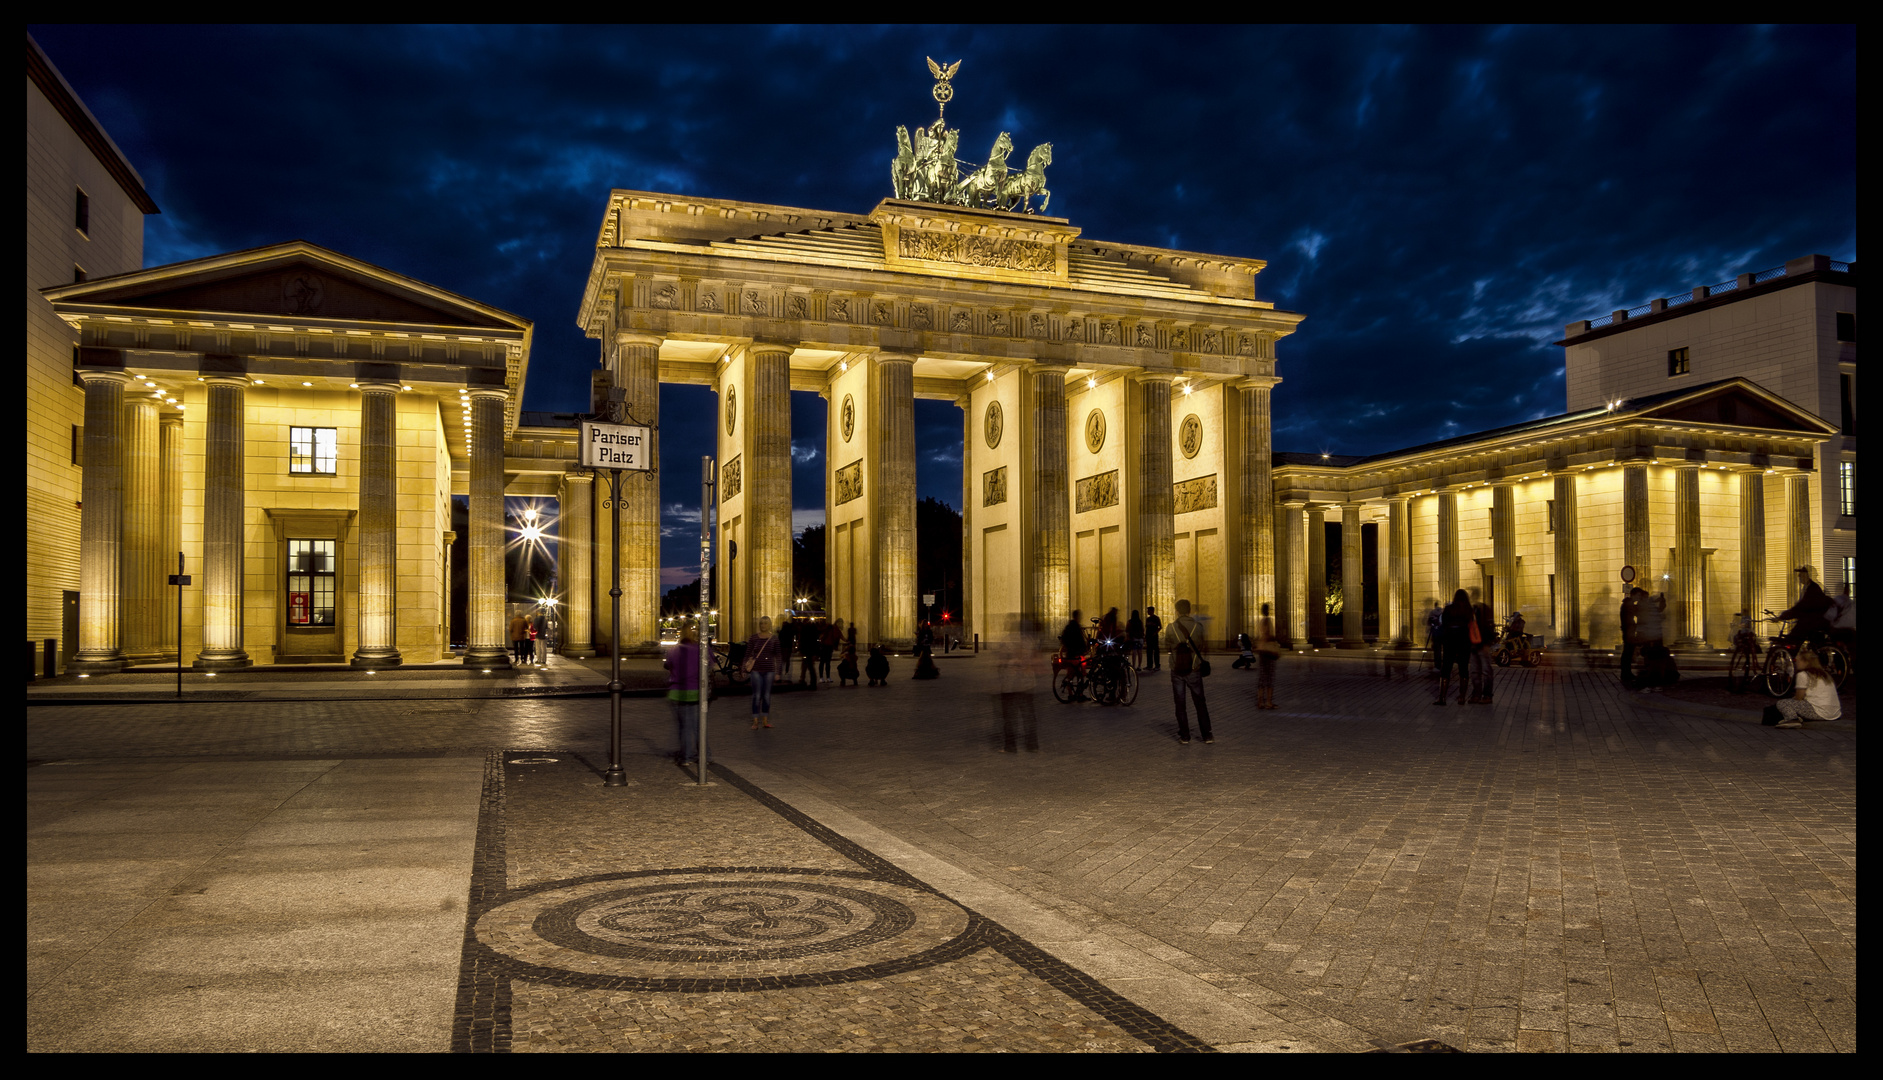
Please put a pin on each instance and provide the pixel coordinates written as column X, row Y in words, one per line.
column 1437, row 201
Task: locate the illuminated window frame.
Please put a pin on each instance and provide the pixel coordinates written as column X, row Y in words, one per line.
column 310, row 583
column 1679, row 361
column 313, row 451
column 1847, row 488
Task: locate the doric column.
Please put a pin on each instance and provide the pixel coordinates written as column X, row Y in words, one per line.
column 1258, row 537
column 1352, row 579
column 485, row 641
column 144, row 574
column 170, row 540
column 1568, row 613
column 1797, row 533
column 1157, row 526
column 1689, row 614
column 966, row 628
column 1752, row 542
column 601, row 535
column 225, row 513
column 1634, row 525
column 578, row 620
column 379, row 527
column 1398, row 596
column 1316, row 576
column 1049, row 545
column 101, row 525
column 1504, row 547
column 894, row 499
column 1290, row 563
column 637, row 372
column 768, row 480
column 444, row 595
column 1447, row 545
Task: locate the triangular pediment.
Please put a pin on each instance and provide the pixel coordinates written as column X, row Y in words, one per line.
column 1737, row 403
column 292, row 282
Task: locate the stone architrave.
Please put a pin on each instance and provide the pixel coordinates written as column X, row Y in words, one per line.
column 486, row 640
column 379, row 527
column 1257, row 535
column 637, row 372
column 1352, row 579
column 1316, row 576
column 224, row 523
column 894, row 499
column 1568, row 555
column 1049, row 539
column 1752, row 542
column 101, row 526
column 1157, row 545
column 578, row 618
column 144, row 574
column 1688, row 628
column 1797, row 533
column 1398, row 593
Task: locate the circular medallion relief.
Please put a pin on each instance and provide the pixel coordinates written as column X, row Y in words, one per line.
column 732, row 408
column 991, row 426
column 849, row 417
column 1095, row 430
column 1190, row 435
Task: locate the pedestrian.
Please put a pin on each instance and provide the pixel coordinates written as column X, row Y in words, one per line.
column 925, row 664
column 539, row 639
column 1267, row 652
column 1657, row 668
column 519, row 636
column 1108, row 626
column 1153, row 638
column 1015, row 668
column 1483, row 652
column 1134, row 638
column 1455, row 628
column 847, row 672
column 1188, row 665
column 1630, row 633
column 1072, row 638
column 787, row 638
column 761, row 663
column 683, row 691
column 828, row 643
column 878, row 666
column 1813, row 696
column 1435, row 635
column 1844, row 622
column 808, row 649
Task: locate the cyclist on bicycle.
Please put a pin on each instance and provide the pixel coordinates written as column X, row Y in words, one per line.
column 1812, row 610
column 1514, row 635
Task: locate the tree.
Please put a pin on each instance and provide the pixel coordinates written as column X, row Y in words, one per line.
column 807, row 565
column 938, row 553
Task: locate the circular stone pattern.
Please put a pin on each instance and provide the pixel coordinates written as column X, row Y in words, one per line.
column 1190, row 435
column 1095, row 430
column 991, row 427
column 718, row 925
column 732, row 408
column 849, row 417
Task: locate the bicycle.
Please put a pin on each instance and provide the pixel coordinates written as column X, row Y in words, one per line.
column 1511, row 648
column 728, row 663
column 1106, row 675
column 1781, row 662
column 1743, row 669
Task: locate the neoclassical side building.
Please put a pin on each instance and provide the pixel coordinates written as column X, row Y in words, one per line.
column 1115, row 407
column 294, row 422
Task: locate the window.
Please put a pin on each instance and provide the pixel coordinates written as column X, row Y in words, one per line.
column 1847, row 488
column 313, row 450
column 78, row 274
column 83, row 216
column 1677, row 361
column 310, row 582
column 1847, row 326
column 1850, row 574
column 1552, row 505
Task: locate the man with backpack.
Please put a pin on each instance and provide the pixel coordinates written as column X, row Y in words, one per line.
column 1188, row 665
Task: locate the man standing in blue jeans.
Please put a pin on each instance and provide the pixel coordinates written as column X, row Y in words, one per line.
column 1186, row 673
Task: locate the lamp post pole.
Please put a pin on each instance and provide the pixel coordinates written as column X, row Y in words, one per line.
column 707, row 476
column 616, row 776
column 613, row 448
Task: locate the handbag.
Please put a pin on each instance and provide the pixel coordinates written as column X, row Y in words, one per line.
column 752, row 661
column 1476, row 637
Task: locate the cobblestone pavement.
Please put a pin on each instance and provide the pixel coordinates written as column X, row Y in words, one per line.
column 1571, row 868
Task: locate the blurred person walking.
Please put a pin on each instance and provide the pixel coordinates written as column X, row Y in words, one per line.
column 1016, row 670
column 519, row 637
column 683, row 691
column 1456, row 625
column 1483, row 652
column 1267, row 653
column 1189, row 663
column 1134, row 636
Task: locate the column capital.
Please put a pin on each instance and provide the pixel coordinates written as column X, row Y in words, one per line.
column 631, row 337
column 1686, row 464
column 758, row 347
column 1257, row 382
column 450, row 536
column 377, row 386
column 573, row 477
column 1143, row 376
column 105, row 375
column 487, row 392
column 170, row 418
column 893, row 357
column 242, row 381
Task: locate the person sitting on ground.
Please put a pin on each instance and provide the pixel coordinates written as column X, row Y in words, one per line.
column 878, row 667
column 1813, row 697
column 847, row 666
column 1246, row 658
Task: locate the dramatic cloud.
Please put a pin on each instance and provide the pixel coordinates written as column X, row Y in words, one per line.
column 1438, row 202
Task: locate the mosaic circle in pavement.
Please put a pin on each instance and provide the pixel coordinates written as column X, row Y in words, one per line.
column 722, row 924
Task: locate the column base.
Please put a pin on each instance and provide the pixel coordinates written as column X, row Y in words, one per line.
column 102, row 665
column 487, row 656
column 388, row 658
column 231, row 661
column 1690, row 643
column 578, row 652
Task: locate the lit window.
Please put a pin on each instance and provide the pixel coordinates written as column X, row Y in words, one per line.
column 313, row 450
column 310, row 582
column 1677, row 361
column 1850, row 574
column 1847, row 488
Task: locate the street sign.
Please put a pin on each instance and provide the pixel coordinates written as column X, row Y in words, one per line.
column 615, row 446
column 928, row 599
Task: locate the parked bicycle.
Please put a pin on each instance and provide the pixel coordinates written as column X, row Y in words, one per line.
column 1105, row 675
column 1746, row 666
column 1781, row 660
column 728, row 666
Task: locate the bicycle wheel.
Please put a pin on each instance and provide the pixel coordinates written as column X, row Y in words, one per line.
column 1778, row 671
column 1066, row 685
column 1127, row 685
column 1837, row 662
column 1503, row 658
column 1740, row 672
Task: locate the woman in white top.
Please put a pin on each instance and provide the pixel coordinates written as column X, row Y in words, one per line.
column 1815, row 695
